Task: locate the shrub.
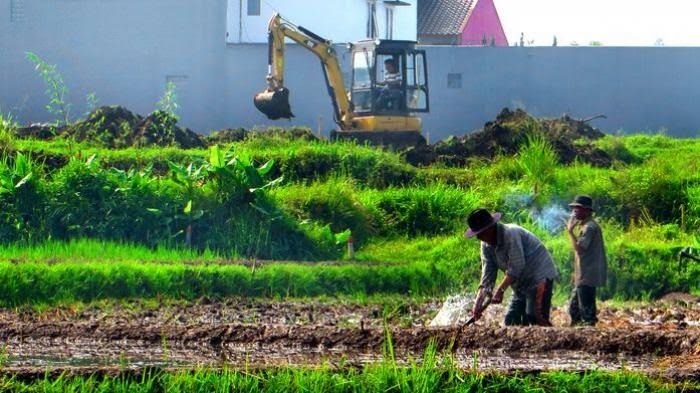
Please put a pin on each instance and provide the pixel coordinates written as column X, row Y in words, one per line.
column 334, row 202
column 431, row 210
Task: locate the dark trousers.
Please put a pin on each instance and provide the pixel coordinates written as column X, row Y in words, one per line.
column 582, row 308
column 521, row 310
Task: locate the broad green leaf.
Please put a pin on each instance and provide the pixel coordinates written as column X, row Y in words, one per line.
column 24, row 180
column 90, row 160
column 265, row 169
column 188, row 207
column 216, row 158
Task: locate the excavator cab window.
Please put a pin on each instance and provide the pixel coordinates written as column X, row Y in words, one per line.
column 362, row 63
column 416, row 82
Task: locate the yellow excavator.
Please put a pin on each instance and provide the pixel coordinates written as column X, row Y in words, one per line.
column 388, row 87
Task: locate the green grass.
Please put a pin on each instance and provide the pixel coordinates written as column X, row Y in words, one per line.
column 91, row 250
column 383, row 377
column 407, row 218
column 642, row 265
column 65, row 282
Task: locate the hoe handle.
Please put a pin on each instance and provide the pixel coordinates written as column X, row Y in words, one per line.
column 483, row 307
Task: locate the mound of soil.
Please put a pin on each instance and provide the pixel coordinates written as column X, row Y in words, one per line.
column 226, row 136
column 570, row 138
column 292, row 133
column 160, row 129
column 116, row 127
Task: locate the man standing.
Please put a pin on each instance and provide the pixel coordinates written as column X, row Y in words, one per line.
column 527, row 264
column 590, row 261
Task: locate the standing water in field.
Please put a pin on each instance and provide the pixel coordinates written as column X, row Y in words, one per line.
column 455, row 310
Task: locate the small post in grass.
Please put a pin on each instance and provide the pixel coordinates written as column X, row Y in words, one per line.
column 351, row 248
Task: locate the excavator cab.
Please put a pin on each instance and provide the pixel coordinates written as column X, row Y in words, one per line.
column 388, row 78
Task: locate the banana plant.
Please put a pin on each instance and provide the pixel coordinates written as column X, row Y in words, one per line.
column 191, row 177
column 13, row 178
column 236, row 178
column 18, row 196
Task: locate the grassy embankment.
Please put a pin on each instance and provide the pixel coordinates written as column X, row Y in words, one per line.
column 408, row 219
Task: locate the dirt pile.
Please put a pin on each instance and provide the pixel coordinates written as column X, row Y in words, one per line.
column 116, row 127
column 570, row 138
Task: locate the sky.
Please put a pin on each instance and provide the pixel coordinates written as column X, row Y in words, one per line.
column 609, row 22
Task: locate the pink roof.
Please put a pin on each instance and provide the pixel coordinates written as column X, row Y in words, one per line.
column 483, row 22
column 464, row 22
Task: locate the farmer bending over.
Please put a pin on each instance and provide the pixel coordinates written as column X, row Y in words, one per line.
column 527, row 264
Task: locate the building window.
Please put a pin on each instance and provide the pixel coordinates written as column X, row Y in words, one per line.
column 253, row 7
column 454, row 81
column 16, row 10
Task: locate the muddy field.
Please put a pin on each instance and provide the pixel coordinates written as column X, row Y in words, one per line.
column 662, row 338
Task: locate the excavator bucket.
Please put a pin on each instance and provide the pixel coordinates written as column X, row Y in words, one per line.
column 274, row 103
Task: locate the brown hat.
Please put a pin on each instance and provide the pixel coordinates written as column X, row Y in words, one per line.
column 479, row 220
column 582, row 201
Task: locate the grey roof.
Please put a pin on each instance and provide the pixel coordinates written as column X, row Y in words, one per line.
column 443, row 17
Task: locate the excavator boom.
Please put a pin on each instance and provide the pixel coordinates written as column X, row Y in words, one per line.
column 274, row 101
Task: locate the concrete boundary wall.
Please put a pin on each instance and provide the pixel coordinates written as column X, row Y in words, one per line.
column 124, row 51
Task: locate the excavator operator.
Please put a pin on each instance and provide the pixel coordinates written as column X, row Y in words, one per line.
column 390, row 95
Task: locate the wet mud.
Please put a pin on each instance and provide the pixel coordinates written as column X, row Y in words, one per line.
column 660, row 338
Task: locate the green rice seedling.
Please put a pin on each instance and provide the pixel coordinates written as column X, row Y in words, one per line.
column 56, row 89
column 168, row 103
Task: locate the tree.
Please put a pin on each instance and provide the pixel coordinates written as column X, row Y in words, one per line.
column 554, row 42
column 595, row 43
column 659, row 42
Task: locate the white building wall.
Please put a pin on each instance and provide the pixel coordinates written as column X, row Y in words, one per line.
column 337, row 20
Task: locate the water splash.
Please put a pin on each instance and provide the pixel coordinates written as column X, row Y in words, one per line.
column 456, row 309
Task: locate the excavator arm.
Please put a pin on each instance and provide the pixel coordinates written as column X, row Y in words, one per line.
column 274, row 101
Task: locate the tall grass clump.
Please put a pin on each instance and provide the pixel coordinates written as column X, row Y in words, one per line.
column 414, row 211
column 334, row 202
column 538, row 161
column 652, row 189
column 7, row 134
column 308, row 161
column 692, row 213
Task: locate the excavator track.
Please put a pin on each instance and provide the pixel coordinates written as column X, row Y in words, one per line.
column 395, row 140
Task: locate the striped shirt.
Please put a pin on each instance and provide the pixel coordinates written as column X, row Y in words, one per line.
column 520, row 254
column 392, row 78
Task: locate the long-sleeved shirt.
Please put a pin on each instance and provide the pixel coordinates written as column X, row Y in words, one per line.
column 591, row 264
column 520, row 254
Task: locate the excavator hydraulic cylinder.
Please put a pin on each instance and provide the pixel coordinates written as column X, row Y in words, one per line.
column 274, row 103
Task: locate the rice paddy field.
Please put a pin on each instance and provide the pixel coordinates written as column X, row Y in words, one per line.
column 227, row 267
